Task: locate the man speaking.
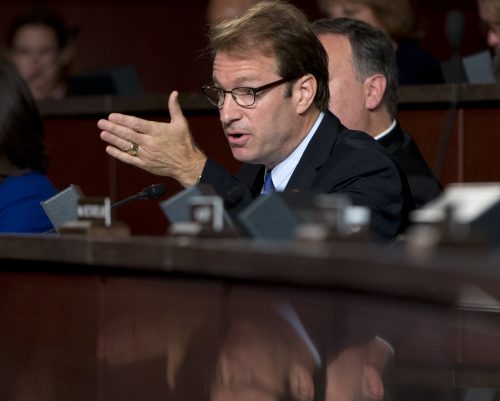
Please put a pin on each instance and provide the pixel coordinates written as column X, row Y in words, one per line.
column 270, row 83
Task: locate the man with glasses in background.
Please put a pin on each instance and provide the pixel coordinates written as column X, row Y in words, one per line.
column 276, row 121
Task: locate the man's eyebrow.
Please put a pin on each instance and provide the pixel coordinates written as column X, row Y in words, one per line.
column 243, row 81
column 240, row 82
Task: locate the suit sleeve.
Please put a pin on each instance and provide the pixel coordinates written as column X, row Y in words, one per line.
column 370, row 177
column 235, row 192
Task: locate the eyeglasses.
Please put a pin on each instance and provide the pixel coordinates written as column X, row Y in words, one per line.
column 243, row 96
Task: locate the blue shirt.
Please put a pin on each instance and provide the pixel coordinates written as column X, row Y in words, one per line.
column 20, row 209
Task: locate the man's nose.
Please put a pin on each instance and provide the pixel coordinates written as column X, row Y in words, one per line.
column 230, row 111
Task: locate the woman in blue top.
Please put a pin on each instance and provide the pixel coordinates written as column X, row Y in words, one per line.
column 23, row 161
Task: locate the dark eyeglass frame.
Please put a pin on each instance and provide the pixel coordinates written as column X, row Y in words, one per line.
column 253, row 91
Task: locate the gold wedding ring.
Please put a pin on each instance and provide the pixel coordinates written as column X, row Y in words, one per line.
column 133, row 150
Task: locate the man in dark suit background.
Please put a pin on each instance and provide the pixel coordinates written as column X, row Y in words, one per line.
column 364, row 94
column 276, row 121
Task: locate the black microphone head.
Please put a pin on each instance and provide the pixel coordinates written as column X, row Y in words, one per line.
column 153, row 191
column 454, row 28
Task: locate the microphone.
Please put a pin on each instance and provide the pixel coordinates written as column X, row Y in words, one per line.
column 454, row 29
column 455, row 72
column 151, row 192
column 63, row 207
column 453, row 69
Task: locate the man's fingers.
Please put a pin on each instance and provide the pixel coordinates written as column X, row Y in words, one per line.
column 134, row 123
column 174, row 108
column 116, row 141
column 124, row 157
column 121, row 132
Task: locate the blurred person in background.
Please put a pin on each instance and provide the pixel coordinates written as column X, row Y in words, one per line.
column 39, row 44
column 363, row 87
column 399, row 20
column 220, row 10
column 23, row 161
column 489, row 12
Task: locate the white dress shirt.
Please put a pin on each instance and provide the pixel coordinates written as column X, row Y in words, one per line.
column 282, row 172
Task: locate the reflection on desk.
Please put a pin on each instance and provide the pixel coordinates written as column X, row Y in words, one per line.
column 175, row 319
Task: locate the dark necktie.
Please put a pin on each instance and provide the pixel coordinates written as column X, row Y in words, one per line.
column 268, row 184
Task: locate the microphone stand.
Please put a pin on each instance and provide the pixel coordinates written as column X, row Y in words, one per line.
column 151, row 192
column 454, row 29
column 127, row 200
column 444, row 143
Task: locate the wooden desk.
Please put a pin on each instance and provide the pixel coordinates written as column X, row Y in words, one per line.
column 146, row 318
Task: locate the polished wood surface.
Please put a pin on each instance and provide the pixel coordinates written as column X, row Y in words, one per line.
column 146, row 318
column 435, row 274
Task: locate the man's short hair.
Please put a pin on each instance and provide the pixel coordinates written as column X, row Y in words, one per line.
column 276, row 28
column 372, row 53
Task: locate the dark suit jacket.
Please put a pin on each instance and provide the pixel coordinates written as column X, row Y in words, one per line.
column 336, row 160
column 423, row 185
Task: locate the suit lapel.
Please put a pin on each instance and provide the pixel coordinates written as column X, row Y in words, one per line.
column 316, row 154
column 253, row 176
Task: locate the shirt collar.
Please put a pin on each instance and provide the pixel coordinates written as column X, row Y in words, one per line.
column 282, row 172
column 385, row 132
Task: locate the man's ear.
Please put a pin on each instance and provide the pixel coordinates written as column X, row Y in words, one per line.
column 301, row 383
column 374, row 90
column 372, row 385
column 305, row 90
